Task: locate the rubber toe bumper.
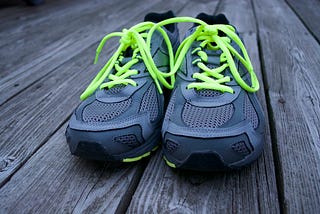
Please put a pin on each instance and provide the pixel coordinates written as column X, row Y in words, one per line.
column 124, row 145
column 210, row 154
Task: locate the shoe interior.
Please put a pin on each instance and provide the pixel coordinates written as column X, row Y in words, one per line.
column 158, row 17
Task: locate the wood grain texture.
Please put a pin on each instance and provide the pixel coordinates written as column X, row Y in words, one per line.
column 53, row 181
column 252, row 190
column 40, row 53
column 20, row 11
column 291, row 59
column 28, row 119
column 309, row 13
column 24, row 41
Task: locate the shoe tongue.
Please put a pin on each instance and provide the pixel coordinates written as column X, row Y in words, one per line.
column 128, row 53
column 211, row 19
column 208, row 93
column 138, row 66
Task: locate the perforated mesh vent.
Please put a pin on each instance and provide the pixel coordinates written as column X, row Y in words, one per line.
column 203, row 117
column 241, row 147
column 129, row 140
column 149, row 103
column 170, row 107
column 114, row 90
column 172, row 146
column 207, row 93
column 250, row 113
column 212, row 66
column 101, row 112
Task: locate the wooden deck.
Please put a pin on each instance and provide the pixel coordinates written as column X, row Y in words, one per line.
column 46, row 56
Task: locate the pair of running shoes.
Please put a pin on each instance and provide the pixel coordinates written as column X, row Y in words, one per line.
column 194, row 98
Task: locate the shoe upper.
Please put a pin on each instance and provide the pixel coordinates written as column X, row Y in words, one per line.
column 195, row 114
column 137, row 108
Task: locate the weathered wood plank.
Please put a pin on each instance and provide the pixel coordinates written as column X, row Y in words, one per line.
column 34, row 114
column 14, row 20
column 13, row 9
column 53, row 181
column 38, row 54
column 30, row 37
column 291, row 59
column 252, row 190
column 309, row 13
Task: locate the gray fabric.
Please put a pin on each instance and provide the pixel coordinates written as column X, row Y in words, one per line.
column 240, row 147
column 114, row 90
column 170, row 107
column 129, row 140
column 101, row 112
column 149, row 103
column 200, row 117
column 171, row 146
column 250, row 113
column 208, row 93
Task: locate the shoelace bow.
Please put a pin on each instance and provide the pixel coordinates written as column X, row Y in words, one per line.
column 136, row 39
column 208, row 34
column 140, row 42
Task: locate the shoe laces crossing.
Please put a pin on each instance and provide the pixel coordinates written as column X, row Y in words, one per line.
column 211, row 40
column 137, row 39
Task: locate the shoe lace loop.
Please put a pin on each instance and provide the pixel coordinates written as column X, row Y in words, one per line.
column 138, row 40
column 209, row 35
column 208, row 78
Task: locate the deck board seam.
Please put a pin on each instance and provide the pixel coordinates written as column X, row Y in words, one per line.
column 302, row 21
column 217, row 7
column 275, row 151
column 135, row 181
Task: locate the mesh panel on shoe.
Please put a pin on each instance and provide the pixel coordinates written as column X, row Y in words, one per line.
column 114, row 90
column 129, row 140
column 170, row 107
column 171, row 146
column 212, row 66
column 250, row 113
column 240, row 147
column 204, row 117
column 207, row 93
column 101, row 112
column 149, row 103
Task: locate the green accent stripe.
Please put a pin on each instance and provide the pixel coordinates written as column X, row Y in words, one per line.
column 128, row 160
column 172, row 165
column 155, row 148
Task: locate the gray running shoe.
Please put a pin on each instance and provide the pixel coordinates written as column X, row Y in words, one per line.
column 214, row 120
column 121, row 116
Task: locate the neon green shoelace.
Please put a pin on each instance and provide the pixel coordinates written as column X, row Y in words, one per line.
column 140, row 42
column 208, row 34
column 134, row 38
